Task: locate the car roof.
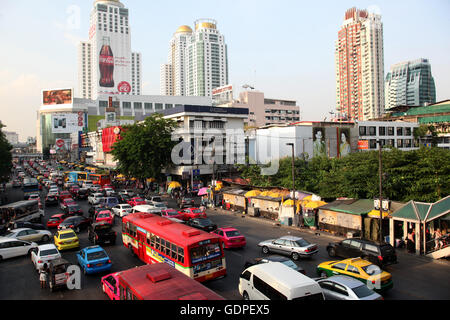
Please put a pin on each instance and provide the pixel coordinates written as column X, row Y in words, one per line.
column 357, row 262
column 6, row 239
column 66, row 231
column 20, row 229
column 276, row 258
column 292, row 238
column 345, row 280
column 94, row 248
column 228, row 229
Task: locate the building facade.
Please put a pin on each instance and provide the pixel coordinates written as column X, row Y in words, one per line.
column 206, row 59
column 106, row 64
column 264, row 111
column 410, row 84
column 359, row 62
column 12, row 137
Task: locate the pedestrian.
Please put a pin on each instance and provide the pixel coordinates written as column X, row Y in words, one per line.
column 437, row 239
column 43, row 277
column 411, row 243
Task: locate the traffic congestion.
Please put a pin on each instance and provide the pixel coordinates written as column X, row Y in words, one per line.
column 65, row 219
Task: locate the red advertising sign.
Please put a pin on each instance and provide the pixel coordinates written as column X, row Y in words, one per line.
column 60, row 143
column 363, row 144
column 53, row 97
column 124, row 87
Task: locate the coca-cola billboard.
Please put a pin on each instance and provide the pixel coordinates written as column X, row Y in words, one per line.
column 114, row 66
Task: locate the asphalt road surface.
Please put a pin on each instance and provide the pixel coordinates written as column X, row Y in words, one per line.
column 414, row 277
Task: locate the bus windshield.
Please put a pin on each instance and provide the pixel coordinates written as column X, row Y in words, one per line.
column 205, row 252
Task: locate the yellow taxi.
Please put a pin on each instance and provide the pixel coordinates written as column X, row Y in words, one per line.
column 66, row 239
column 360, row 269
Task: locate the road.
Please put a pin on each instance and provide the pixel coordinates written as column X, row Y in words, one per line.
column 415, row 278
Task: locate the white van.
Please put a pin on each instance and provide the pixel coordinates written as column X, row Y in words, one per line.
column 276, row 281
column 146, row 209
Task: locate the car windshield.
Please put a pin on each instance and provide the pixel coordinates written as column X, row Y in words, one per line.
column 290, row 264
column 103, row 215
column 172, row 213
column 67, row 235
column 362, row 291
column 159, row 205
column 103, row 228
column 157, row 199
column 54, row 219
column 204, row 222
column 9, row 234
column 234, row 233
column 372, row 270
column 48, row 252
column 74, row 208
column 197, row 211
column 302, row 242
column 96, row 255
column 126, row 206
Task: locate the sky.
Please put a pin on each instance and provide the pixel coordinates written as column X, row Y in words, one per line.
column 284, row 48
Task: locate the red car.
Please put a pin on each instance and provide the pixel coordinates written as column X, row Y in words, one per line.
column 171, row 213
column 231, row 237
column 64, row 195
column 64, row 203
column 55, row 220
column 106, row 216
column 191, row 213
column 74, row 190
column 136, row 201
column 108, row 186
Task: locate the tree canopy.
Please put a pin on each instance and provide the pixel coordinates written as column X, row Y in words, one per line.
column 145, row 148
column 420, row 175
column 5, row 157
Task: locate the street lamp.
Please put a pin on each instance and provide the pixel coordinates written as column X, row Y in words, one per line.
column 293, row 175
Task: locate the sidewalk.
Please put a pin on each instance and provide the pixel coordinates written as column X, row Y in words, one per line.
column 402, row 254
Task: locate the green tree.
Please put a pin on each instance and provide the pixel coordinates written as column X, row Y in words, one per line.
column 5, row 157
column 145, row 148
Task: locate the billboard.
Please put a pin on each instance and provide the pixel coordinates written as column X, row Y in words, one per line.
column 319, row 149
column 68, row 122
column 55, row 97
column 114, row 65
column 223, row 94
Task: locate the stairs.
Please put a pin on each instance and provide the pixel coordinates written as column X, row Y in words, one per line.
column 443, row 253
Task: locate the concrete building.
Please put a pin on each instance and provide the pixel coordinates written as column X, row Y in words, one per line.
column 264, row 111
column 410, row 83
column 106, row 64
column 359, row 62
column 88, row 115
column 12, row 137
column 206, row 59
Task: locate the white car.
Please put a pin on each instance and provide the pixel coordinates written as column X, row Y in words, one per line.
column 10, row 248
column 53, row 190
column 108, row 191
column 122, row 210
column 95, row 198
column 27, row 234
column 87, row 184
column 128, row 192
column 43, row 254
column 156, row 205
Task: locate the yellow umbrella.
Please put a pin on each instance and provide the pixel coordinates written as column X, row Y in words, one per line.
column 218, row 187
column 376, row 214
column 120, row 176
column 151, row 180
column 314, row 204
column 174, row 184
column 288, row 203
column 275, row 195
column 265, row 193
column 252, row 193
column 308, row 198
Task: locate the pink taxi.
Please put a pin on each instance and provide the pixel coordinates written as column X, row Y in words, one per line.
column 110, row 285
column 231, row 237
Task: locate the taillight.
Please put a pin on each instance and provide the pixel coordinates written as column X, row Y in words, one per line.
column 380, row 258
column 373, row 281
column 40, row 261
column 109, row 261
column 89, row 265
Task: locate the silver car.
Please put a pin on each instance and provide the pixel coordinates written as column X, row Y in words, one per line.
column 346, row 288
column 295, row 247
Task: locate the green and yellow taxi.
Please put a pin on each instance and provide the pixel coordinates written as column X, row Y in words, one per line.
column 360, row 269
column 66, row 239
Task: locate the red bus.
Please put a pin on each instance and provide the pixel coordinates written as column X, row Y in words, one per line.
column 196, row 253
column 100, row 179
column 161, row 282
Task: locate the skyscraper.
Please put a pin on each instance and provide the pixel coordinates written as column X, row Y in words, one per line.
column 106, row 64
column 206, row 59
column 173, row 79
column 410, row 83
column 359, row 61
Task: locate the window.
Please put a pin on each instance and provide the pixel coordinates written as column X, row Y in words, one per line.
column 340, row 266
column 372, row 131
column 148, row 106
column 158, row 106
column 362, row 131
column 390, row 131
column 400, row 131
column 279, row 242
column 267, row 290
column 355, row 244
column 407, row 131
column 126, row 105
column 340, row 289
column 352, row 269
column 372, row 143
column 246, row 275
column 138, row 106
column 399, row 143
column 371, row 248
column 382, row 131
column 407, row 143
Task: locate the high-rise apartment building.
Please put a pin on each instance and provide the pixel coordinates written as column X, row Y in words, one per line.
column 206, row 59
column 106, row 64
column 410, row 83
column 359, row 61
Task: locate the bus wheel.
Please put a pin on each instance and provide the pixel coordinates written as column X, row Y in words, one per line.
column 131, row 249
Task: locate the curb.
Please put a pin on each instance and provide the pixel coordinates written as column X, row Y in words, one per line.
column 322, row 233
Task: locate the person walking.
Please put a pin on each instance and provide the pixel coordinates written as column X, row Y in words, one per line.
column 437, row 239
column 43, row 277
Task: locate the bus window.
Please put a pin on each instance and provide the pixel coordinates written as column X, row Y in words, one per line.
column 168, row 246
column 82, row 176
column 157, row 243
column 174, row 251
column 181, row 254
column 148, row 238
column 122, row 292
column 129, row 294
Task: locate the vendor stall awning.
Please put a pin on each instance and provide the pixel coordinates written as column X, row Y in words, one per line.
column 423, row 212
column 351, row 206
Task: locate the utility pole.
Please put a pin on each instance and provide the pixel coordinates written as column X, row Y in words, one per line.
column 293, row 175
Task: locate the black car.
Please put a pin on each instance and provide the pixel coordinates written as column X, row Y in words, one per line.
column 82, row 194
column 101, row 232
column 123, row 198
column 276, row 258
column 76, row 223
column 26, row 224
column 73, row 209
column 51, row 200
column 204, row 224
column 381, row 254
column 185, row 203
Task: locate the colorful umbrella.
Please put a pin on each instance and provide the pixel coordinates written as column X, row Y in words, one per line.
column 174, row 184
column 202, row 191
column 288, row 203
column 314, row 204
column 252, row 193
